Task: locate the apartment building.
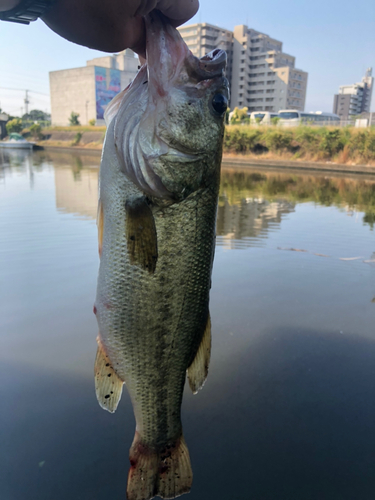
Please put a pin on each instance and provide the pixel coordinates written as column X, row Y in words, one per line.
column 354, row 99
column 202, row 38
column 262, row 77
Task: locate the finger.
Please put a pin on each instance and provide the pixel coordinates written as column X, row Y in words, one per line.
column 178, row 11
column 145, row 7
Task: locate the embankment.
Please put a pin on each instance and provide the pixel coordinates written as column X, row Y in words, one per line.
column 320, row 148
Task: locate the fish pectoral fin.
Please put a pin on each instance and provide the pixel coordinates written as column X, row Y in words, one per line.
column 141, row 234
column 100, row 224
column 198, row 370
column 108, row 385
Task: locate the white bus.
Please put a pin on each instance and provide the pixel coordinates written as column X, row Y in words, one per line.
column 293, row 117
column 262, row 117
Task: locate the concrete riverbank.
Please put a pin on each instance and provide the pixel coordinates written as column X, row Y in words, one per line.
column 243, row 161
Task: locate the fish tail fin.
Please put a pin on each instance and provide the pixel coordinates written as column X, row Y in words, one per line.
column 165, row 473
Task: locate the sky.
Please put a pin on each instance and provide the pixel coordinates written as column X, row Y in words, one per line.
column 333, row 41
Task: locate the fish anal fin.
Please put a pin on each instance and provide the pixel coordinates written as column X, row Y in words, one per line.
column 198, row 370
column 100, row 224
column 108, row 385
column 141, row 234
column 164, row 472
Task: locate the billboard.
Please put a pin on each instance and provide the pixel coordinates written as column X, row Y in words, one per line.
column 107, row 85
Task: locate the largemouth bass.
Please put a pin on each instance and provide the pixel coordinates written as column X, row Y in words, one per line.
column 159, row 184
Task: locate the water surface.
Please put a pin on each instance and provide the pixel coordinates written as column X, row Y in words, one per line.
column 288, row 410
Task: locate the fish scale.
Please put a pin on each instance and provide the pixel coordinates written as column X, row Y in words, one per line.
column 158, row 192
column 147, row 320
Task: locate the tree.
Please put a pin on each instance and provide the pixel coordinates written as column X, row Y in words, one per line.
column 36, row 130
column 36, row 115
column 14, row 125
column 239, row 115
column 73, row 119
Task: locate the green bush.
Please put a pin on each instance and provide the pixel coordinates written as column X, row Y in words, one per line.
column 332, row 142
column 36, row 130
column 14, row 125
column 92, row 122
column 277, row 140
column 241, row 139
column 73, row 119
column 77, row 138
column 342, row 144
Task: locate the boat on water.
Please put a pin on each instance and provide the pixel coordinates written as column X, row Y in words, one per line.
column 16, row 141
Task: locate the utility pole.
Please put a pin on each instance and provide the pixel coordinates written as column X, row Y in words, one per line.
column 27, row 102
column 87, row 121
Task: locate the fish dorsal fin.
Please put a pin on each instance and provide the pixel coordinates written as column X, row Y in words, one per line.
column 198, row 370
column 108, row 384
column 141, row 234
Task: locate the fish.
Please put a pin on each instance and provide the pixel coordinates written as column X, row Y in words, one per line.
column 158, row 192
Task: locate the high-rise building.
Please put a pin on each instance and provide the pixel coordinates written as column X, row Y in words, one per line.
column 262, row 77
column 354, row 99
column 202, row 38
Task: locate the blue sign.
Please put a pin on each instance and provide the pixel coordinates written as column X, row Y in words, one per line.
column 107, row 86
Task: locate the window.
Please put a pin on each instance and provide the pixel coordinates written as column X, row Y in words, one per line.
column 288, row 115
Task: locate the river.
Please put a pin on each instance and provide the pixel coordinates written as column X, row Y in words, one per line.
column 288, row 410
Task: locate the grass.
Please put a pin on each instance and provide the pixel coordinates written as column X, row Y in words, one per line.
column 342, row 145
column 304, row 143
column 75, row 128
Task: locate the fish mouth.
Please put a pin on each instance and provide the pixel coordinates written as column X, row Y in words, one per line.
column 211, row 65
column 169, row 58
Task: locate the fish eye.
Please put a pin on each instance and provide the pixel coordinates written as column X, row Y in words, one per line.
column 219, row 104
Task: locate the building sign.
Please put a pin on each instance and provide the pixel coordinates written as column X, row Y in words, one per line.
column 107, row 85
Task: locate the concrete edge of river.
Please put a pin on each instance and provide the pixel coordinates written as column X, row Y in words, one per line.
column 244, row 162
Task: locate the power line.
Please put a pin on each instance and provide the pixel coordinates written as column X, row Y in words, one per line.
column 24, row 90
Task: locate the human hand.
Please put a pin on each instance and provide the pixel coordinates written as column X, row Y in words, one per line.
column 112, row 25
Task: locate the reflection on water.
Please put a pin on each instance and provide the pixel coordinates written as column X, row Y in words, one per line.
column 288, row 408
column 77, row 191
column 250, row 204
column 243, row 224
